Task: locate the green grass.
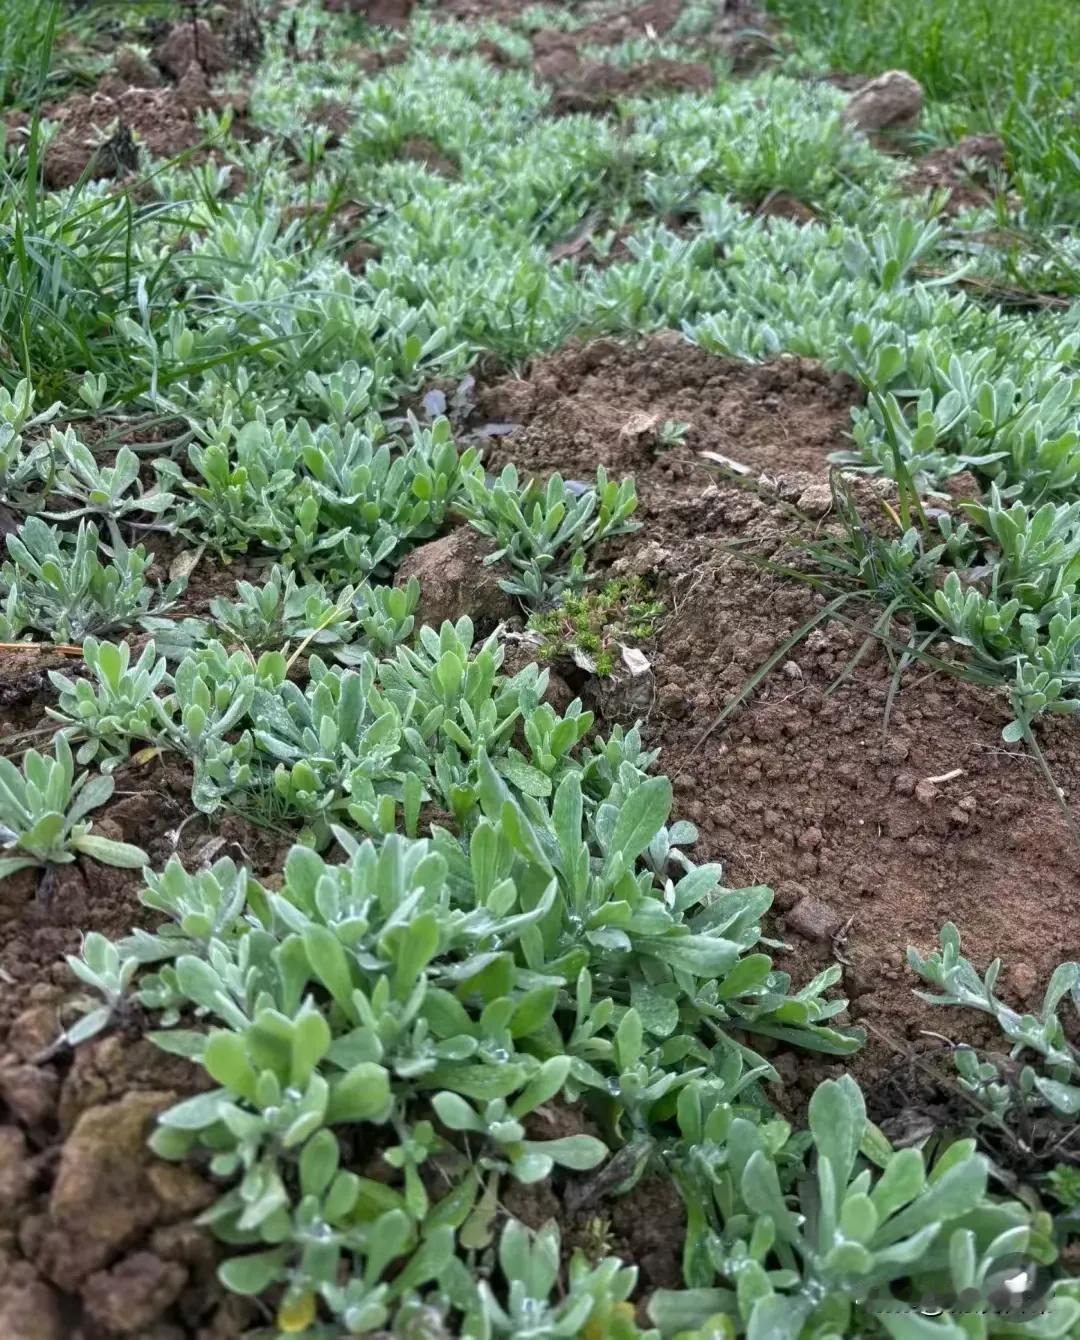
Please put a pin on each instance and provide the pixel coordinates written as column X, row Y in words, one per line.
column 26, row 43
column 985, row 65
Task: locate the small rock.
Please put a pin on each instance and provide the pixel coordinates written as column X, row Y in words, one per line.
column 787, row 894
column 1024, row 979
column 29, row 1309
column 454, row 581
column 101, row 1198
column 813, row 920
column 17, row 1173
column 30, row 1092
column 892, row 101
column 925, row 792
column 34, row 1030
column 131, row 1296
column 810, row 840
column 791, row 670
column 895, row 751
column 904, row 784
column 815, row 500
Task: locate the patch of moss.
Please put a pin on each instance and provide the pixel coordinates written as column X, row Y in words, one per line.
column 597, row 622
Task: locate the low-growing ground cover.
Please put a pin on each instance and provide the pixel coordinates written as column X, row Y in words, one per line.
column 541, row 545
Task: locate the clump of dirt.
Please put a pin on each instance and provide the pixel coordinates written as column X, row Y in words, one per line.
column 455, row 581
column 95, row 133
column 605, row 403
column 369, row 61
column 969, row 170
column 379, row 13
column 875, row 814
column 133, row 70
column 419, row 149
column 191, row 42
column 592, row 86
column 784, row 205
column 337, row 117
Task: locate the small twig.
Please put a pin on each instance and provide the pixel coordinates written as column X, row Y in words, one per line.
column 61, row 648
column 913, row 1059
column 946, row 777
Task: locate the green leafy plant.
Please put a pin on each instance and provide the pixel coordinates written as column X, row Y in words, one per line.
column 63, row 589
column 1052, row 1074
column 875, row 1234
column 671, row 433
column 545, row 533
column 43, row 808
column 118, row 708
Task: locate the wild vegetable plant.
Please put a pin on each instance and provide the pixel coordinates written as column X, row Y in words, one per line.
column 1050, row 1071
column 43, row 809
column 541, row 963
column 114, row 710
column 855, row 1241
column 58, row 585
column 545, row 533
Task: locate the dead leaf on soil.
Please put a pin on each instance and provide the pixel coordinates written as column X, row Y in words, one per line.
column 726, row 462
column 640, row 424
column 185, row 563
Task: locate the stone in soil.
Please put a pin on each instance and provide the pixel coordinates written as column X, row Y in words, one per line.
column 892, row 101
column 102, row 1199
column 454, row 581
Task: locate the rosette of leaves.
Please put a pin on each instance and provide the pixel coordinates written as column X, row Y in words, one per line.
column 57, row 584
column 114, row 708
column 43, row 809
column 545, row 532
column 855, row 1241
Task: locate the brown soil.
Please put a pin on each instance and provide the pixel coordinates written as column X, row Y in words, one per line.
column 800, row 788
column 427, row 153
column 381, row 13
column 591, row 86
column 187, row 43
column 96, row 1235
column 968, row 170
column 92, row 137
column 803, row 788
